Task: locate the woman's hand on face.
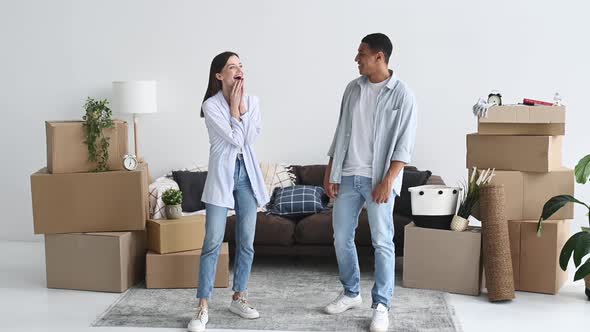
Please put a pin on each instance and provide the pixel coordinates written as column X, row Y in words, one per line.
column 242, row 98
column 235, row 98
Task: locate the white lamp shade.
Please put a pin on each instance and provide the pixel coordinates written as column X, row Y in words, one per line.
column 134, row 97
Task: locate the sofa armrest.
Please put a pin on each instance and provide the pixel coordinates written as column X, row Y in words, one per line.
column 435, row 180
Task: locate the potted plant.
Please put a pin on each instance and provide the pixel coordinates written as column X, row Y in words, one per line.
column 98, row 117
column 469, row 197
column 173, row 200
column 578, row 245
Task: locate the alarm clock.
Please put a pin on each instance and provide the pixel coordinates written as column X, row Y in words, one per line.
column 130, row 162
column 495, row 98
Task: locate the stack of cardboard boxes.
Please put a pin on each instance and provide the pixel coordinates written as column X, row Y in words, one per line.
column 175, row 251
column 94, row 222
column 524, row 145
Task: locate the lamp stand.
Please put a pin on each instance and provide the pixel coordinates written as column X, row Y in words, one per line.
column 135, row 134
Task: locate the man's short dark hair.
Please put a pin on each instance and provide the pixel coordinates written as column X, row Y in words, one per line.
column 379, row 42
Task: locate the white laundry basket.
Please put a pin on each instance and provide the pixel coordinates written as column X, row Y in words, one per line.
column 433, row 206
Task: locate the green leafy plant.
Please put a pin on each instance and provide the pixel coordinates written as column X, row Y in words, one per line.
column 472, row 189
column 578, row 245
column 172, row 197
column 97, row 117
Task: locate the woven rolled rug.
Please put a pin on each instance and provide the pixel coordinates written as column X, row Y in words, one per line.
column 496, row 244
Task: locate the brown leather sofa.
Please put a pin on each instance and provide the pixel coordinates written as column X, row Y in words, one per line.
column 313, row 235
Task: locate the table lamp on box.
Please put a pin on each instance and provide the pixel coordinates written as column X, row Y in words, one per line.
column 134, row 97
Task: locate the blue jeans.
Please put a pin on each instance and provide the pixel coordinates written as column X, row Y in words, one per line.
column 354, row 191
column 216, row 218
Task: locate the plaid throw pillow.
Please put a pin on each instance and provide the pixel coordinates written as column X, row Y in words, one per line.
column 297, row 200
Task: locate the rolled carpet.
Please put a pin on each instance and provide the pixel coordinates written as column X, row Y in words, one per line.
column 496, row 244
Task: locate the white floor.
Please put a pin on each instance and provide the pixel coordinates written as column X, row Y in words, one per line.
column 27, row 305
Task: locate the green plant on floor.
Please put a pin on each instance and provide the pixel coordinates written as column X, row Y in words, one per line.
column 172, row 197
column 97, row 117
column 578, row 245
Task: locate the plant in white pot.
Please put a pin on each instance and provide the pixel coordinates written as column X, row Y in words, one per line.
column 469, row 197
column 578, row 245
column 173, row 200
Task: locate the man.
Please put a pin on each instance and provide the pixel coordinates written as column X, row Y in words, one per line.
column 373, row 141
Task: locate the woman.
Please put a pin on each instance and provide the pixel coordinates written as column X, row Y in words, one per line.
column 234, row 181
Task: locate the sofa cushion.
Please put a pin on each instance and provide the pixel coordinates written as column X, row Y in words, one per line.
column 412, row 178
column 191, row 184
column 312, row 175
column 297, row 200
column 317, row 229
column 270, row 230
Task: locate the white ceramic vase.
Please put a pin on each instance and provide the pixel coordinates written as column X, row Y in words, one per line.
column 173, row 211
column 459, row 224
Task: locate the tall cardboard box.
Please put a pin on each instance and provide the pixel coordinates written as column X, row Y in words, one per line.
column 527, row 192
column 167, row 236
column 67, row 152
column 89, row 202
column 523, row 120
column 535, row 260
column 442, row 259
column 108, row 262
column 181, row 269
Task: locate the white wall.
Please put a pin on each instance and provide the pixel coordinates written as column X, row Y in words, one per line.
column 298, row 57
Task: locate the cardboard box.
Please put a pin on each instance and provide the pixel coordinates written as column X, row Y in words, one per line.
column 89, row 202
column 523, row 120
column 181, row 269
column 108, row 262
column 67, row 152
column 174, row 235
column 535, row 260
column 442, row 259
column 514, row 153
column 527, row 192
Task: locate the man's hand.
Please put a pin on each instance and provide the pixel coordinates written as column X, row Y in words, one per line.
column 382, row 192
column 330, row 188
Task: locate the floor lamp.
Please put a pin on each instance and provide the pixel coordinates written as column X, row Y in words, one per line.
column 134, row 97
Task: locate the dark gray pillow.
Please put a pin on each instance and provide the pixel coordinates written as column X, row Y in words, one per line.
column 412, row 178
column 191, row 184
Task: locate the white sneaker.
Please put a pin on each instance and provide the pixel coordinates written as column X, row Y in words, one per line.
column 343, row 303
column 380, row 322
column 242, row 308
column 199, row 321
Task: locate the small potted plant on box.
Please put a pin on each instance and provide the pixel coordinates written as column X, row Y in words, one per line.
column 173, row 200
column 578, row 245
column 469, row 197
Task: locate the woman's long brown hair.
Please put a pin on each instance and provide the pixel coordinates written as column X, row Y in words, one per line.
column 217, row 65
